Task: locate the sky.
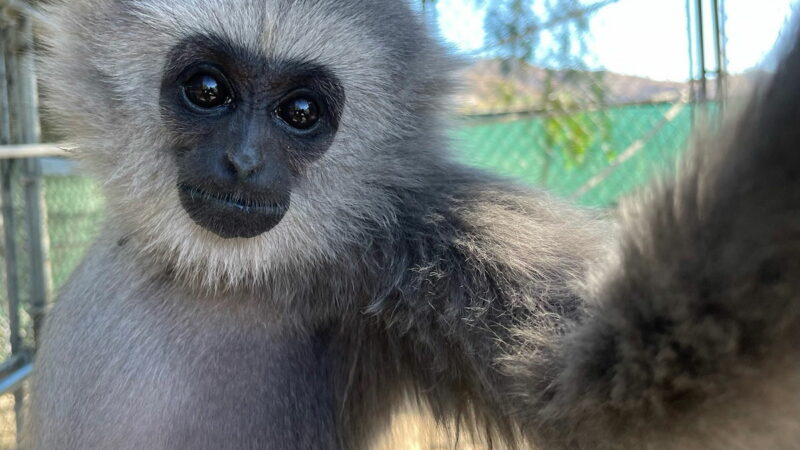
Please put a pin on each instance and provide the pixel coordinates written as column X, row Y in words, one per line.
column 644, row 37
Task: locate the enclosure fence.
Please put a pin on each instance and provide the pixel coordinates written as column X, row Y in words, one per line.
column 23, row 248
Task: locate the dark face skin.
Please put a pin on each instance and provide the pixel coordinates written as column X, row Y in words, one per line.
column 244, row 128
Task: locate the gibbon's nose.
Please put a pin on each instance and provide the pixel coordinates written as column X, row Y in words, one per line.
column 245, row 160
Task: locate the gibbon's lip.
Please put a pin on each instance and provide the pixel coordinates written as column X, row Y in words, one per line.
column 242, row 204
column 231, row 216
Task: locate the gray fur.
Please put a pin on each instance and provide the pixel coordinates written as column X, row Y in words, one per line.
column 399, row 272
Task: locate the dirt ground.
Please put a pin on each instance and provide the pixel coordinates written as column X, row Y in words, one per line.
column 410, row 431
column 8, row 426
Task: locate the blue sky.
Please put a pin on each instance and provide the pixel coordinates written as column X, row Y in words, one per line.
column 644, row 37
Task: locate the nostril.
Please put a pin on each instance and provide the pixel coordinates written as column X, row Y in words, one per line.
column 244, row 163
column 230, row 168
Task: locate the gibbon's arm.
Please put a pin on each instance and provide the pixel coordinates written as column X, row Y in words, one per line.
column 683, row 335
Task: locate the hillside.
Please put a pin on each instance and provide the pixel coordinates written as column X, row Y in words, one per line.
column 486, row 89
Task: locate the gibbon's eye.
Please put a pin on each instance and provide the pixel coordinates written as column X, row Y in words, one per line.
column 207, row 91
column 300, row 112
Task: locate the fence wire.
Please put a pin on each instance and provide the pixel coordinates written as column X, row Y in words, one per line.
column 585, row 134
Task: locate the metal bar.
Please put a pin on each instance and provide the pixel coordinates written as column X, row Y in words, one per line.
column 36, row 248
column 13, row 363
column 33, row 151
column 12, row 262
column 37, row 252
column 26, row 9
column 5, row 116
column 34, row 196
column 690, row 40
column 718, row 55
column 701, row 52
column 15, row 101
column 723, row 17
column 12, row 382
column 29, row 94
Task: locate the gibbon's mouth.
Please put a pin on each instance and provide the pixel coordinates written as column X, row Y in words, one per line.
column 241, row 203
column 232, row 215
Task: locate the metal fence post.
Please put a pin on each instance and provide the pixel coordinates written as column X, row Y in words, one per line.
column 32, row 170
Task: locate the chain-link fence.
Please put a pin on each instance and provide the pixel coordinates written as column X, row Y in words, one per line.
column 18, row 124
column 547, row 118
column 539, row 107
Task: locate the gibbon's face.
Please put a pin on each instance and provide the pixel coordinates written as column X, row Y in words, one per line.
column 231, row 135
column 243, row 128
